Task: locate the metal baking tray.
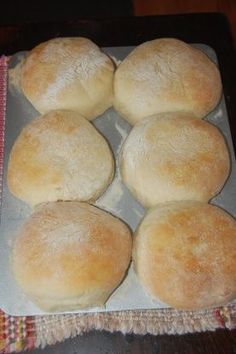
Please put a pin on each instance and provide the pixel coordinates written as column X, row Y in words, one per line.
column 117, row 199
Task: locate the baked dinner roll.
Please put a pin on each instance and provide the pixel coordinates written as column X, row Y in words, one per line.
column 165, row 75
column 71, row 255
column 185, row 255
column 174, row 156
column 59, row 156
column 68, row 73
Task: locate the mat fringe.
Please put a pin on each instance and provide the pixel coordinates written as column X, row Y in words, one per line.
column 55, row 328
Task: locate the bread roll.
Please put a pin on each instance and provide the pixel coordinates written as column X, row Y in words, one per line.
column 59, row 156
column 70, row 255
column 68, row 73
column 166, row 75
column 174, row 156
column 185, row 255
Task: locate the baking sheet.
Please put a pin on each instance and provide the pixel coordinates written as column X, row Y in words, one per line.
column 117, row 199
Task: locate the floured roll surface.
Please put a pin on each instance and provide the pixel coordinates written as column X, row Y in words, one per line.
column 68, row 73
column 174, row 156
column 70, row 255
column 59, row 156
column 166, row 75
column 185, row 255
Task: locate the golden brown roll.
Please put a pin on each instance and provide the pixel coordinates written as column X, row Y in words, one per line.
column 68, row 73
column 185, row 255
column 165, row 75
column 59, row 156
column 70, row 255
column 174, row 156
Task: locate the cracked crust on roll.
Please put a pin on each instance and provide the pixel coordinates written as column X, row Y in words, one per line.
column 166, row 75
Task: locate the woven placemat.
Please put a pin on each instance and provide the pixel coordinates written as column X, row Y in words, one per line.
column 21, row 333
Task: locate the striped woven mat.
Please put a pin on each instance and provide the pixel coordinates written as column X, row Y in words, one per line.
column 21, row 333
